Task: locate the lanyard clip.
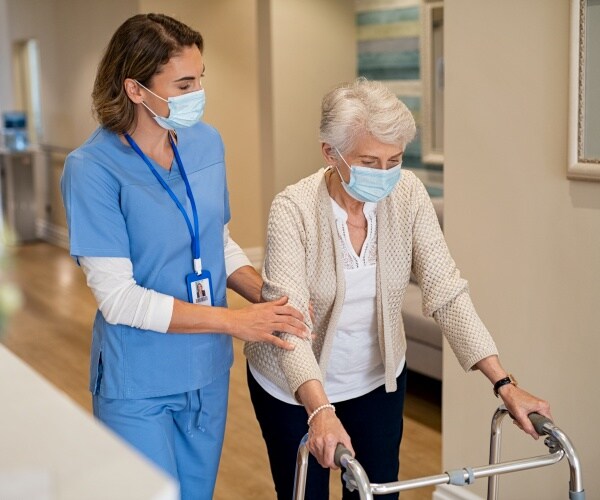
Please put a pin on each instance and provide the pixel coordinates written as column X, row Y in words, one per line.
column 198, row 266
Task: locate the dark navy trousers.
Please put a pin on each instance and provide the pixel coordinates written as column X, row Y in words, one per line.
column 374, row 422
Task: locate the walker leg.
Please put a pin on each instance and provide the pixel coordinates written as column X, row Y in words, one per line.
column 495, row 440
column 301, row 469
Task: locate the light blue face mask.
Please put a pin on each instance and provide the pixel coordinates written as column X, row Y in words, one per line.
column 184, row 110
column 370, row 184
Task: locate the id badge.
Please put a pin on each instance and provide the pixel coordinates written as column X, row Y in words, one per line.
column 199, row 286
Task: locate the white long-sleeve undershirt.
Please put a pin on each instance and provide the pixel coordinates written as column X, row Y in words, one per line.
column 122, row 301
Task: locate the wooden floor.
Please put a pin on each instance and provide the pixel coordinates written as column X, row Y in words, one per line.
column 52, row 332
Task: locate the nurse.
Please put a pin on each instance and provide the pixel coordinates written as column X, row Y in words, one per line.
column 147, row 208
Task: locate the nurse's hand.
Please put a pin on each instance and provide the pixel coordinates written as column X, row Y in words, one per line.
column 259, row 323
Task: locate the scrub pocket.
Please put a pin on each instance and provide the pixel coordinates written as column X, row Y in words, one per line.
column 98, row 376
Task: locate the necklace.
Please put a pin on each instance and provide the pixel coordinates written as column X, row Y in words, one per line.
column 364, row 228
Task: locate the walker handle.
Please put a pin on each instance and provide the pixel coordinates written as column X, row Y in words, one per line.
column 340, row 451
column 539, row 421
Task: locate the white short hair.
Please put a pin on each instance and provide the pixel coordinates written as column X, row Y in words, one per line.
column 362, row 106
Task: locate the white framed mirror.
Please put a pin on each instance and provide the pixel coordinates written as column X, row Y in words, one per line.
column 584, row 91
column 432, row 73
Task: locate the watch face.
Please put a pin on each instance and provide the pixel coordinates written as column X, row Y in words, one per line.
column 502, row 382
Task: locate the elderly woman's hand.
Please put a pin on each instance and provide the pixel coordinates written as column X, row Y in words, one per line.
column 325, row 429
column 520, row 404
column 324, row 434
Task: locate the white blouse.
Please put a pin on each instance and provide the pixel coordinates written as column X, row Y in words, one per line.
column 355, row 365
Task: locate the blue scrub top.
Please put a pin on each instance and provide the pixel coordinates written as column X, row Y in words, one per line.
column 116, row 208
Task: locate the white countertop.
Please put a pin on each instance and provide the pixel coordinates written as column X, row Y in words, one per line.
column 51, row 449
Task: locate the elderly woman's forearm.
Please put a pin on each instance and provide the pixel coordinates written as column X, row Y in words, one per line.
column 312, row 395
column 491, row 368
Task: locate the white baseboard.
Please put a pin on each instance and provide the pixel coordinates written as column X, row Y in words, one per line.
column 52, row 233
column 449, row 492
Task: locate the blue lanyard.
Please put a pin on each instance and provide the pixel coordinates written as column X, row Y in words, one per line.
column 195, row 232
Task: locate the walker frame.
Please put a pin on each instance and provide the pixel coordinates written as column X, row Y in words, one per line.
column 558, row 443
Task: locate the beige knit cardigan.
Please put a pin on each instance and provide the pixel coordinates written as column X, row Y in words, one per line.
column 304, row 262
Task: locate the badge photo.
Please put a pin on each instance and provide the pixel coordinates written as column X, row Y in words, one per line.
column 199, row 288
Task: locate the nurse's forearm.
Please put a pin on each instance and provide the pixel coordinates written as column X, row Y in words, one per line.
column 192, row 318
column 254, row 323
column 247, row 282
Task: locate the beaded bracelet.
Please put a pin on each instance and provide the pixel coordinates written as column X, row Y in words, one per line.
column 317, row 410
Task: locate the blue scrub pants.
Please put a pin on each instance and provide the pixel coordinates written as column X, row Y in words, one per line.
column 182, row 433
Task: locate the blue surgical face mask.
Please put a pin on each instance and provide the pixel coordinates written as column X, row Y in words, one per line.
column 370, row 184
column 184, row 110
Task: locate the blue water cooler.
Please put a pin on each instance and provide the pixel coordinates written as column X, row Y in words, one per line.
column 17, row 190
column 15, row 130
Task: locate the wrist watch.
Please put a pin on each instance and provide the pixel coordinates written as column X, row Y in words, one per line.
column 503, row 381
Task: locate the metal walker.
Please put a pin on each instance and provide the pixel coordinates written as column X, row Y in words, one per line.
column 558, row 443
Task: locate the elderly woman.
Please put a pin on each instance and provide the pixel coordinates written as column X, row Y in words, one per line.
column 346, row 240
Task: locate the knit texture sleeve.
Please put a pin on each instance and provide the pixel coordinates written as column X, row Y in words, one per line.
column 432, row 263
column 285, row 274
column 445, row 293
column 467, row 335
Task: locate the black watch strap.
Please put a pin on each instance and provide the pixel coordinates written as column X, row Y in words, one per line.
column 502, row 382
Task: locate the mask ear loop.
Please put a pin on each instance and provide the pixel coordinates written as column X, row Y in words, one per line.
column 155, row 95
column 344, row 160
column 151, row 111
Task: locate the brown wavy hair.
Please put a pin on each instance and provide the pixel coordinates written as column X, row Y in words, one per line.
column 138, row 49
